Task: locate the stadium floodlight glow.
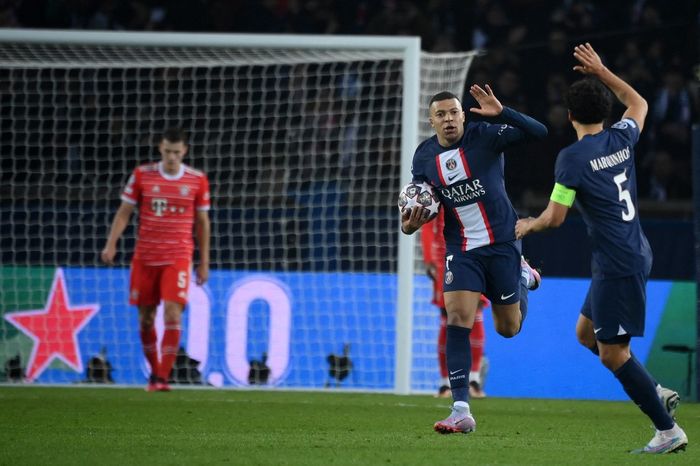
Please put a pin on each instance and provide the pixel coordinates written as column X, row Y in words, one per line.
column 306, row 141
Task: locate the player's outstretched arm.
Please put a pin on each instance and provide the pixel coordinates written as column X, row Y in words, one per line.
column 119, row 224
column 552, row 217
column 203, row 232
column 591, row 64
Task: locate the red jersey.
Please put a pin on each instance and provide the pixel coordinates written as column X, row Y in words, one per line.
column 167, row 206
column 434, row 253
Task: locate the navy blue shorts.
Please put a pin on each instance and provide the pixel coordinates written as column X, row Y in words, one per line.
column 493, row 270
column 617, row 306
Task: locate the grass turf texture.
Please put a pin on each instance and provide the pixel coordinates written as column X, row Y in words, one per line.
column 48, row 425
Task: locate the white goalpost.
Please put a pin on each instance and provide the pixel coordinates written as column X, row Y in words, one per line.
column 306, row 141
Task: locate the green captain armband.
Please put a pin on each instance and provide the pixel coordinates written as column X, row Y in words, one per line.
column 563, row 195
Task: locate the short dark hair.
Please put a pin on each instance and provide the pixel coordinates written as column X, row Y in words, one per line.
column 589, row 101
column 175, row 135
column 444, row 95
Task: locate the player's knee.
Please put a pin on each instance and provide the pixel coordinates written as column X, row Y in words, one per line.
column 586, row 341
column 458, row 318
column 508, row 329
column 613, row 360
column 172, row 313
column 608, row 361
column 147, row 317
column 146, row 322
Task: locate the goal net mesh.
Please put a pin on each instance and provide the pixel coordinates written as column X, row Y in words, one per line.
column 302, row 151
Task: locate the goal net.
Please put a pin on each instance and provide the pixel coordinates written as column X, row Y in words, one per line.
column 304, row 141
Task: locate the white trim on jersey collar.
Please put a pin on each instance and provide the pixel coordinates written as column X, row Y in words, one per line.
column 171, row 177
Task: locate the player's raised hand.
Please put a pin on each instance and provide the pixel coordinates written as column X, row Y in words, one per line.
column 107, row 255
column 590, row 62
column 490, row 106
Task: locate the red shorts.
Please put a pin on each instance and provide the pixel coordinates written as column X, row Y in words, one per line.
column 151, row 284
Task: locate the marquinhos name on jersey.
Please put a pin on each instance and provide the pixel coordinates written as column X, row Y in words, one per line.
column 611, row 160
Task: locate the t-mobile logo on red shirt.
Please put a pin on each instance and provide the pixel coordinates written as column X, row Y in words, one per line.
column 158, row 206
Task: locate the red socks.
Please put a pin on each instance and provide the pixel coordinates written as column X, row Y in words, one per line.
column 168, row 348
column 477, row 341
column 149, row 340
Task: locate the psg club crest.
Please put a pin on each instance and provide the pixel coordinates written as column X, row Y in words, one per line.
column 448, row 277
column 451, row 164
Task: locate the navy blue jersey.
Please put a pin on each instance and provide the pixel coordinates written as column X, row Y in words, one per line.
column 468, row 177
column 600, row 168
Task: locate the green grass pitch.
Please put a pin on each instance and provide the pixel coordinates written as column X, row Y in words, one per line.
column 49, row 425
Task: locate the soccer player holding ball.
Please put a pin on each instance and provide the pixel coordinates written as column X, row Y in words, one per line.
column 599, row 171
column 463, row 161
column 173, row 200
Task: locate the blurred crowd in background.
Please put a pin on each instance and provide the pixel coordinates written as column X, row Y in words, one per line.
column 527, row 58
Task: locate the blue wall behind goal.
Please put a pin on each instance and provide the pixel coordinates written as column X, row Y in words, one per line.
column 299, row 319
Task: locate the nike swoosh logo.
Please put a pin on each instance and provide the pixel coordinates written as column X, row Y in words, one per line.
column 450, row 178
column 663, row 447
column 458, row 370
column 503, row 298
column 596, row 330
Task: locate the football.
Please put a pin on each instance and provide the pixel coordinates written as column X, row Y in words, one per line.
column 423, row 194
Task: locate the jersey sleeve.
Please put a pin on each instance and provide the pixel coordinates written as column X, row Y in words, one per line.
column 512, row 127
column 628, row 129
column 132, row 191
column 565, row 171
column 418, row 174
column 203, row 199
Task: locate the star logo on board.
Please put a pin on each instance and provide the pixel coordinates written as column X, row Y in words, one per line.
column 54, row 329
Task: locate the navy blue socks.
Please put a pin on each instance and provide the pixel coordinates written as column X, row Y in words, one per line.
column 459, row 361
column 641, row 388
